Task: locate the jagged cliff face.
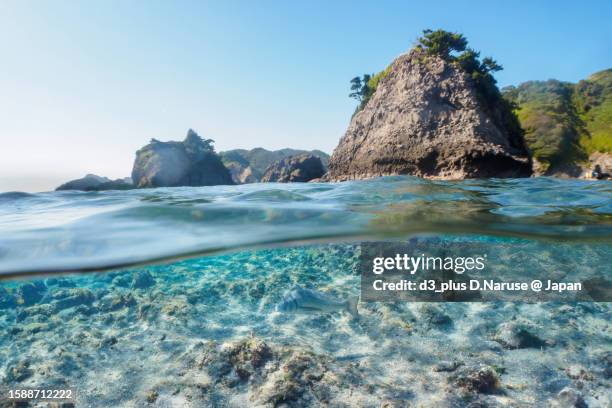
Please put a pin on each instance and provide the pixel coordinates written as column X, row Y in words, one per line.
column 301, row 168
column 248, row 166
column 426, row 119
column 191, row 162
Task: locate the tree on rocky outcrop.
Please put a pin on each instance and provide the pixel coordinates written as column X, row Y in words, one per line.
column 196, row 142
column 364, row 88
column 442, row 43
column 192, row 162
column 435, row 111
column 357, row 88
column 453, row 48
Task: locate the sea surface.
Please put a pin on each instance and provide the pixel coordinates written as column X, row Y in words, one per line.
column 166, row 297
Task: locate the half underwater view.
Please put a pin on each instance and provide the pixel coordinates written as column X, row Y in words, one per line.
column 269, row 323
column 296, row 204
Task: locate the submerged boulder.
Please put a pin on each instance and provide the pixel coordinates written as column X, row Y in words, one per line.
column 300, row 168
column 517, row 336
column 67, row 298
column 7, row 299
column 428, row 119
column 142, row 280
column 476, row 379
column 192, row 162
column 274, row 375
column 18, row 372
column 568, row 397
column 30, row 293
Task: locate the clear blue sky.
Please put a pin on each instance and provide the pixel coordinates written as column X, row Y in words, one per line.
column 85, row 83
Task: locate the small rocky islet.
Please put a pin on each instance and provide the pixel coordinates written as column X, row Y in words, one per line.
column 194, row 162
column 201, row 332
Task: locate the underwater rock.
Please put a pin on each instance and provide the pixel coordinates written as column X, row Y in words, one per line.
column 517, row 336
column 123, row 280
column 61, row 282
column 18, row 372
column 273, row 375
column 67, row 364
column 238, row 360
column 152, row 396
column 598, row 288
column 606, row 360
column 67, row 298
column 577, row 372
column 257, row 291
column 446, row 366
column 7, row 299
column 144, row 310
column 478, row 379
column 30, row 328
column 142, row 280
column 116, row 301
column 33, row 328
column 85, row 310
column 37, row 311
column 433, row 315
column 234, row 362
column 108, row 341
column 297, row 382
column 569, row 397
column 30, row 293
column 247, row 356
column 211, row 360
column 178, row 306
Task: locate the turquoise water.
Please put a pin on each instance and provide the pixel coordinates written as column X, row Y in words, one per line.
column 175, row 302
column 65, row 231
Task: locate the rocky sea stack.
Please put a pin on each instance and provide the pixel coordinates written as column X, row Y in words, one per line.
column 428, row 118
column 192, row 162
column 302, row 168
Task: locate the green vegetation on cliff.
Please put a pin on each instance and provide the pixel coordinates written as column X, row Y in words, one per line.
column 593, row 98
column 552, row 124
column 363, row 88
column 452, row 47
column 565, row 122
